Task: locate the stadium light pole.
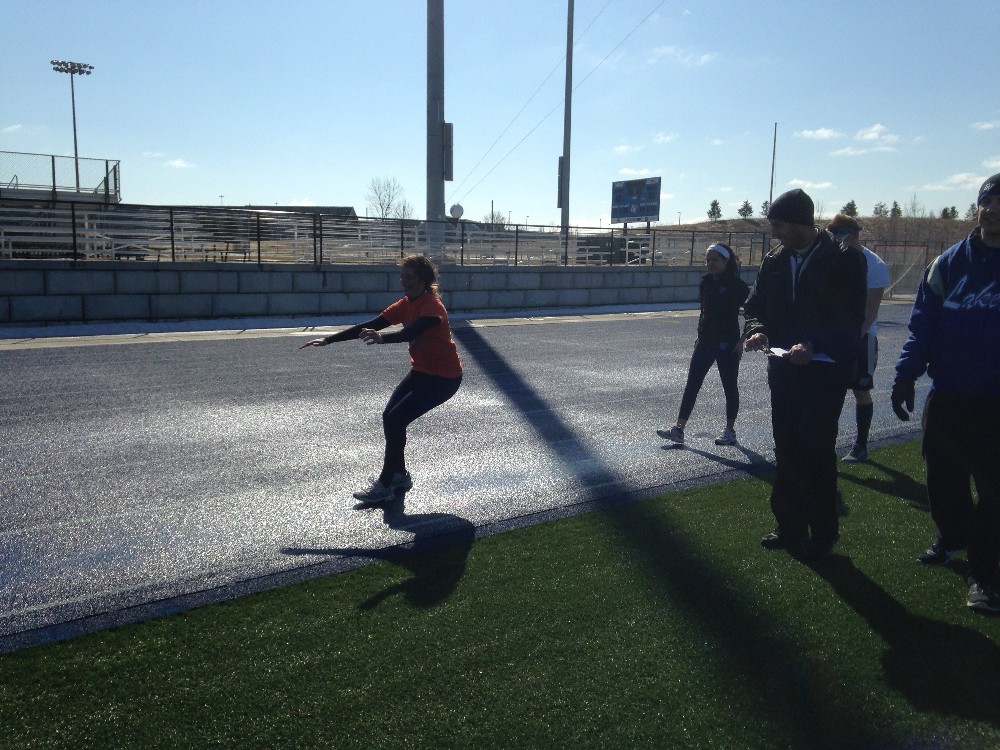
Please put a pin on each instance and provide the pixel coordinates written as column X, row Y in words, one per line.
column 74, row 69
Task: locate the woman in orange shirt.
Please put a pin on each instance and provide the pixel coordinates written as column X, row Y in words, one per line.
column 435, row 374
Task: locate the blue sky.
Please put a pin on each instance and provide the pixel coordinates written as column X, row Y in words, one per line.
column 306, row 101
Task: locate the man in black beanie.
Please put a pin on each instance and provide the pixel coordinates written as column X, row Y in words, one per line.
column 955, row 339
column 805, row 311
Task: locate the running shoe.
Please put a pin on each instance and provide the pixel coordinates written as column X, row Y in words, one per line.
column 983, row 598
column 674, row 434
column 376, row 493
column 728, row 437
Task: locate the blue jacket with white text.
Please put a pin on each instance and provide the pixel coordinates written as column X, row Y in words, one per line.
column 955, row 322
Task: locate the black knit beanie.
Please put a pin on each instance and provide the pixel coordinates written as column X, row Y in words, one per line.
column 990, row 187
column 793, row 207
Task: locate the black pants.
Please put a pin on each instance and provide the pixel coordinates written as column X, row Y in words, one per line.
column 705, row 355
column 806, row 402
column 961, row 445
column 415, row 395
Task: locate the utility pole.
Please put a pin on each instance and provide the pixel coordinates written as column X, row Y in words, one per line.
column 564, row 162
column 774, row 150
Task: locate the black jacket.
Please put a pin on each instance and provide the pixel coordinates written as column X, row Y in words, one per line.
column 721, row 300
column 829, row 305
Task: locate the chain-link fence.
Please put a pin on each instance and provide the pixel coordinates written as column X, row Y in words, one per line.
column 58, row 174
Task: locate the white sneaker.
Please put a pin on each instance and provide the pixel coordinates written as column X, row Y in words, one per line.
column 728, row 437
column 675, row 434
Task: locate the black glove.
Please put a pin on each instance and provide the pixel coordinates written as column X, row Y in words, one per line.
column 902, row 394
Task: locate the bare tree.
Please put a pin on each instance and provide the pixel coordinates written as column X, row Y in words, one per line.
column 403, row 210
column 386, row 199
column 495, row 221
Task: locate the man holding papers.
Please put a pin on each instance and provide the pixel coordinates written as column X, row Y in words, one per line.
column 805, row 309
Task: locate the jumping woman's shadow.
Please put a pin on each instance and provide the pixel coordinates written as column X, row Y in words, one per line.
column 436, row 556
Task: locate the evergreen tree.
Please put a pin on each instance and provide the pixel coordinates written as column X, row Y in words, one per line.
column 763, row 208
column 895, row 212
column 851, row 209
column 881, row 210
column 715, row 211
column 746, row 210
column 972, row 212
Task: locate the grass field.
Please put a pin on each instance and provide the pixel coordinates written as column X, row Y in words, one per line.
column 660, row 624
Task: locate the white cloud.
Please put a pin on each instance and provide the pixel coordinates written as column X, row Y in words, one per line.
column 13, row 128
column 636, row 172
column 993, row 163
column 959, row 181
column 681, row 56
column 877, row 133
column 849, row 151
column 178, row 164
column 152, row 154
column 993, row 125
column 823, row 134
column 805, row 184
column 665, row 137
column 717, row 141
column 626, row 149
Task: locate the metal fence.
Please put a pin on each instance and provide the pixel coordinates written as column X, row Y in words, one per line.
column 56, row 175
column 183, row 233
column 89, row 231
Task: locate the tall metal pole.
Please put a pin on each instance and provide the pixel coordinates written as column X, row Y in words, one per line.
column 73, row 68
column 435, row 110
column 76, row 149
column 567, row 127
column 774, row 150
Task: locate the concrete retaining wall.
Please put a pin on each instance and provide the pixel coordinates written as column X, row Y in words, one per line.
column 44, row 292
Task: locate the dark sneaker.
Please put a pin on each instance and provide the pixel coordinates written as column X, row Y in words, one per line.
column 401, row 481
column 376, row 493
column 674, row 434
column 983, row 598
column 937, row 554
column 777, row 540
column 858, row 455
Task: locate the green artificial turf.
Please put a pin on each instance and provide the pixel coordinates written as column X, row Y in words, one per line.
column 659, row 624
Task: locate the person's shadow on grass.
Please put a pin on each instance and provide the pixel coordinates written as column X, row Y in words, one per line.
column 436, row 556
column 893, row 482
column 939, row 667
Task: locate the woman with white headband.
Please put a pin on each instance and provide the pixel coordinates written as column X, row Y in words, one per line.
column 722, row 294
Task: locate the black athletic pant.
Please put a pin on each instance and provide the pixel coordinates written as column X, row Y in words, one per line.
column 705, row 355
column 962, row 442
column 806, row 401
column 415, row 395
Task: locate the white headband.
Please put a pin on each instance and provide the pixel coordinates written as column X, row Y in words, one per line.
column 720, row 249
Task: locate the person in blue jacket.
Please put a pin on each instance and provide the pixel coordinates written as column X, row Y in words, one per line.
column 722, row 293
column 955, row 338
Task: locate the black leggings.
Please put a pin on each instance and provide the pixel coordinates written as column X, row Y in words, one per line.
column 415, row 395
column 705, row 355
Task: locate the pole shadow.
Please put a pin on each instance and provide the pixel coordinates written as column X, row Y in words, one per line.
column 436, row 556
column 791, row 694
